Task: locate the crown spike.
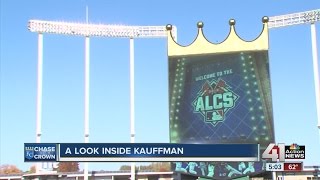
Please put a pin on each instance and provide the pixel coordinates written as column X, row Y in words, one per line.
column 265, row 19
column 232, row 22
column 200, row 24
column 169, row 27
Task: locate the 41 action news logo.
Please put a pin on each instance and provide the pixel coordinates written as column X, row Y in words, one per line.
column 214, row 100
column 281, row 152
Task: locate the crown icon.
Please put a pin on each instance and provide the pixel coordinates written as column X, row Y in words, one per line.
column 29, row 148
column 233, row 43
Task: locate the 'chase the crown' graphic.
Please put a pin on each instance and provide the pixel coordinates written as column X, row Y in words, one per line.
column 40, row 152
column 214, row 100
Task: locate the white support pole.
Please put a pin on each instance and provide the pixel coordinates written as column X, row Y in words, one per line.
column 315, row 70
column 132, row 130
column 86, row 99
column 39, row 94
column 274, row 175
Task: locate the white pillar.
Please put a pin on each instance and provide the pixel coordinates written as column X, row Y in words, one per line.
column 274, row 175
column 132, row 132
column 315, row 70
column 39, row 94
column 86, row 99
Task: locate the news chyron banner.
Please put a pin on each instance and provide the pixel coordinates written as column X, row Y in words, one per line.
column 137, row 152
column 220, row 94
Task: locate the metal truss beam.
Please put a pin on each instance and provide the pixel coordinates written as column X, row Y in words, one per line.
column 98, row 30
column 307, row 17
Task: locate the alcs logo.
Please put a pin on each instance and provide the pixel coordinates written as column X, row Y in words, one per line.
column 214, row 100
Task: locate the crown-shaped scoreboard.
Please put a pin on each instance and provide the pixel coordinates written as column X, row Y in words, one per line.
column 220, row 93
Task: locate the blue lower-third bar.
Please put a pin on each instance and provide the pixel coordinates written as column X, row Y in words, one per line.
column 146, row 152
column 139, row 152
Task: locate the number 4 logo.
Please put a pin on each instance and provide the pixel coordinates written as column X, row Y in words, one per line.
column 274, row 152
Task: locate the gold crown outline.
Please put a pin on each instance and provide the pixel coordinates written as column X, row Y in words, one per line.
column 232, row 43
column 29, row 148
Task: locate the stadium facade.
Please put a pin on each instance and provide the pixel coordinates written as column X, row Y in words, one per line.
column 308, row 173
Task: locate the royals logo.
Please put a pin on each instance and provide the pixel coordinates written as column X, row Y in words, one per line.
column 214, row 100
column 29, row 152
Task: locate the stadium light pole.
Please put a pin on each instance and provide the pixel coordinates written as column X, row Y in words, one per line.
column 86, row 94
column 306, row 17
column 96, row 30
column 316, row 69
column 39, row 93
column 132, row 107
column 86, row 98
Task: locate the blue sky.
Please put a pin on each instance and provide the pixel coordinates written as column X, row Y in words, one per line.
column 63, row 81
